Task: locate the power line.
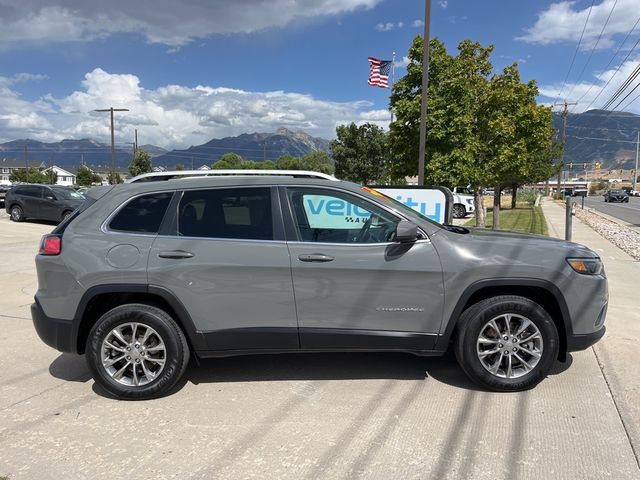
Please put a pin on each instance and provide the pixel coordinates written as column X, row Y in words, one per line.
column 564, row 84
column 627, row 105
column 602, row 139
column 593, row 49
column 610, row 62
column 627, row 95
column 632, row 76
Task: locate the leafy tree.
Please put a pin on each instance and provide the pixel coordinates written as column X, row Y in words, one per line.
column 482, row 129
column 180, row 167
column 317, row 161
column 288, row 162
column 267, row 165
column 84, row 176
column 114, row 179
column 141, row 163
column 35, row 176
column 223, row 165
column 51, row 176
column 360, row 153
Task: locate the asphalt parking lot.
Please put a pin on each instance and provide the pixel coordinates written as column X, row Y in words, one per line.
column 295, row 416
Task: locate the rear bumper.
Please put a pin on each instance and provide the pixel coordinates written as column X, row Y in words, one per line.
column 582, row 342
column 54, row 332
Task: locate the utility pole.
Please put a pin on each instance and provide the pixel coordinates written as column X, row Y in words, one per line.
column 136, row 147
column 564, row 115
column 113, row 144
column 26, row 161
column 635, row 171
column 425, row 91
column 393, row 80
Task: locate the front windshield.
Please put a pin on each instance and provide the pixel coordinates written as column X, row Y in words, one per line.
column 68, row 194
column 408, row 211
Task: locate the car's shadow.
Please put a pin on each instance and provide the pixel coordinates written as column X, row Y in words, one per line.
column 304, row 366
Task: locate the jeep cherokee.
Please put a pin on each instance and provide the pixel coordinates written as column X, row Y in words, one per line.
column 146, row 275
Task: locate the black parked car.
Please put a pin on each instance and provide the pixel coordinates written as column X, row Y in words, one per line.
column 44, row 202
column 616, row 196
column 3, row 191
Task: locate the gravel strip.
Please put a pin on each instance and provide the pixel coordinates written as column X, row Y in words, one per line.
column 625, row 238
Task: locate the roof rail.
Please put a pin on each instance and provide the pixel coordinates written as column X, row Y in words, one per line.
column 169, row 175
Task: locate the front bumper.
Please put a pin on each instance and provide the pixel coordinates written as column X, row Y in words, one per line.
column 54, row 332
column 582, row 342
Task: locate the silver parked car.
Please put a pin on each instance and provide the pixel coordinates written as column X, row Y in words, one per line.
column 145, row 275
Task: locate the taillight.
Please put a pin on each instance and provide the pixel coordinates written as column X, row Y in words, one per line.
column 50, row 245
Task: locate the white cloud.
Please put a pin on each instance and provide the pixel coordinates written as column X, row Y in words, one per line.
column 587, row 91
column 443, row 3
column 564, row 21
column 402, row 63
column 417, row 24
column 170, row 115
column 168, row 22
column 385, row 27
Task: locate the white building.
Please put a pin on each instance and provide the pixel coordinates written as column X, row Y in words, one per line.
column 64, row 177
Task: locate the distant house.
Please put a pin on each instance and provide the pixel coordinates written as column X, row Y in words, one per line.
column 158, row 169
column 204, row 167
column 64, row 176
column 10, row 165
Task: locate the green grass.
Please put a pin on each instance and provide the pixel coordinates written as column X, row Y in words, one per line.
column 521, row 219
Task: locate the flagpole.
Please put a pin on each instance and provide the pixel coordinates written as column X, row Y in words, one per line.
column 393, row 80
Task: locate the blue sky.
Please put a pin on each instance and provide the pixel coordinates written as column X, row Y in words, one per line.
column 190, row 71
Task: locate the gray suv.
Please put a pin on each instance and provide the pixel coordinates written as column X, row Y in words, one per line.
column 145, row 276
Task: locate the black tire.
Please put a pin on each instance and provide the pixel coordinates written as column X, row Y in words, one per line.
column 471, row 324
column 66, row 214
column 16, row 213
column 176, row 348
column 459, row 211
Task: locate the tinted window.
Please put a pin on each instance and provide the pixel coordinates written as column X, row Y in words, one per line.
column 30, row 191
column 67, row 194
column 326, row 216
column 243, row 213
column 143, row 214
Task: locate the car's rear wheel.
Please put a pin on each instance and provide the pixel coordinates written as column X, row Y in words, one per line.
column 459, row 211
column 506, row 343
column 66, row 214
column 137, row 351
column 17, row 215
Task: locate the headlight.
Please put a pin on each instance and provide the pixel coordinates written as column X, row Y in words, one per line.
column 586, row 266
column 470, row 201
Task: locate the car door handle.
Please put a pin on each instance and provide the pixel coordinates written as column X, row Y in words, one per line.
column 175, row 254
column 315, row 257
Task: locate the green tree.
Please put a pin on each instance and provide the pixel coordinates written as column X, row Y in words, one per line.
column 482, row 129
column 141, row 163
column 84, row 176
column 360, row 153
column 114, row 179
column 51, row 176
column 288, row 162
column 35, row 176
column 180, row 167
column 317, row 161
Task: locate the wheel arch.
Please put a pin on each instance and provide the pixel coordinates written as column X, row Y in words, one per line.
column 543, row 292
column 100, row 299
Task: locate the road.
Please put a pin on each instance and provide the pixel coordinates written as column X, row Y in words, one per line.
column 329, row 416
column 627, row 212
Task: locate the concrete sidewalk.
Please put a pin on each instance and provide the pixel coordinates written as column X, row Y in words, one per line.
column 618, row 353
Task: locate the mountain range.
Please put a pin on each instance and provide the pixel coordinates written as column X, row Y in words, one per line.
column 254, row 146
column 593, row 136
column 608, row 138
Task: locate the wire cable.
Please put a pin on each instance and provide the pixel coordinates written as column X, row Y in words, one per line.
column 564, row 84
column 593, row 49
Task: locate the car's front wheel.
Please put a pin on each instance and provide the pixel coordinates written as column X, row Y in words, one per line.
column 17, row 215
column 459, row 211
column 137, row 352
column 506, row 343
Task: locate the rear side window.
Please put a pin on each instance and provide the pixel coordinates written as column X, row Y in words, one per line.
column 30, row 191
column 143, row 214
column 242, row 213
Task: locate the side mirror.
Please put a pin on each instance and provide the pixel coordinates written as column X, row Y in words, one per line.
column 406, row 232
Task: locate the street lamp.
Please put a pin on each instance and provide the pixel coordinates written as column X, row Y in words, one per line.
column 113, row 145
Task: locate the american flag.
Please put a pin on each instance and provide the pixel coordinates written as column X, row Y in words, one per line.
column 379, row 72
